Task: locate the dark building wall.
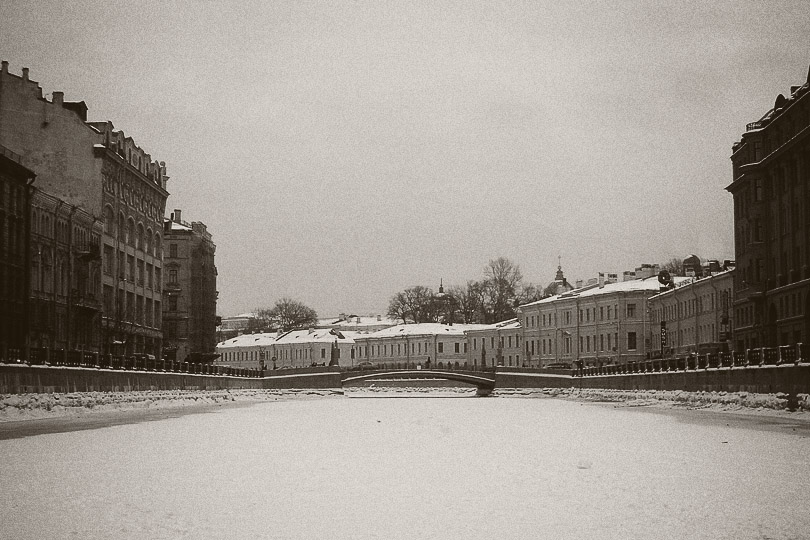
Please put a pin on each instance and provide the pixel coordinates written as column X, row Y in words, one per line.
column 92, row 166
column 65, row 304
column 190, row 295
column 14, row 254
column 771, row 190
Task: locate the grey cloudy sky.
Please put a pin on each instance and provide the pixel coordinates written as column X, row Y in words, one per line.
column 342, row 151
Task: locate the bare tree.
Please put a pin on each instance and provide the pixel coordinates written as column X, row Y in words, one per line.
column 469, row 302
column 529, row 293
column 416, row 304
column 503, row 280
column 674, row 266
column 288, row 314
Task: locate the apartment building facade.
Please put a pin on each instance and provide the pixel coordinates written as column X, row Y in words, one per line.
column 771, row 190
column 433, row 344
column 189, row 291
column 497, row 344
column 94, row 167
column 15, row 211
column 600, row 324
column 695, row 317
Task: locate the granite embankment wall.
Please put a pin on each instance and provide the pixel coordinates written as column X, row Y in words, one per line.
column 789, row 378
column 21, row 379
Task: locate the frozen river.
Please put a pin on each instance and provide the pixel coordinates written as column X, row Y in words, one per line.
column 419, row 467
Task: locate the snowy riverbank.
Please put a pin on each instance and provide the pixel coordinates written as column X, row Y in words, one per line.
column 17, row 407
column 725, row 401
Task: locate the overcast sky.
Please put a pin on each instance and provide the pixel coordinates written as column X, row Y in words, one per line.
column 340, row 152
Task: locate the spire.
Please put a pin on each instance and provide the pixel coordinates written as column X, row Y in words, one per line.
column 441, row 287
column 559, row 276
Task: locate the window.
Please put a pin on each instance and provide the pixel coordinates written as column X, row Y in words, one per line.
column 172, row 303
column 173, row 251
column 441, row 347
column 631, row 341
column 457, row 347
column 323, row 353
column 631, row 311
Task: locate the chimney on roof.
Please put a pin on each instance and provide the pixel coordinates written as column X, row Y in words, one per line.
column 25, row 74
column 176, row 215
column 578, row 284
column 601, row 279
column 58, row 98
column 4, row 65
column 379, row 318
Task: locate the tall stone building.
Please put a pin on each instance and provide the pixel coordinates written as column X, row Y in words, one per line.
column 65, row 282
column 771, row 189
column 190, row 292
column 15, row 206
column 93, row 167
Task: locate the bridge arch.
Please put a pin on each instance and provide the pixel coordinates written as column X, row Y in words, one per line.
column 485, row 383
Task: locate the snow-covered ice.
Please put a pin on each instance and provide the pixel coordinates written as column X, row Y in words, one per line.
column 416, row 467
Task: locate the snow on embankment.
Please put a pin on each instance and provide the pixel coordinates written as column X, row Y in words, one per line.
column 722, row 400
column 30, row 406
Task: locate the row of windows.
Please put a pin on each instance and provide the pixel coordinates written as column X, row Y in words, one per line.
column 503, row 341
column 691, row 307
column 134, row 270
column 12, row 196
column 131, row 307
column 51, row 276
column 416, row 348
column 132, row 235
column 586, row 315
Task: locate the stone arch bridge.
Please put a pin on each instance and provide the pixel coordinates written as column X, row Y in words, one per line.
column 483, row 381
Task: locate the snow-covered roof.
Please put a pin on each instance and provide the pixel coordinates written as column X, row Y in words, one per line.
column 688, row 281
column 356, row 321
column 179, row 227
column 249, row 340
column 425, row 329
column 646, row 284
column 294, row 336
column 510, row 324
column 316, row 336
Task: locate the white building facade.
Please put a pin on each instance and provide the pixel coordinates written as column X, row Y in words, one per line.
column 695, row 317
column 596, row 325
column 497, row 344
column 427, row 344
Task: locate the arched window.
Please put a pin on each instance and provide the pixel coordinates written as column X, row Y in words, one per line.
column 148, row 247
column 122, row 229
column 139, row 237
column 46, row 274
column 130, row 231
column 35, row 222
column 58, row 275
column 158, row 252
column 35, row 266
column 109, row 220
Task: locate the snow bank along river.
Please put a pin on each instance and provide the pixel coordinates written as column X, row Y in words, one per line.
column 427, row 466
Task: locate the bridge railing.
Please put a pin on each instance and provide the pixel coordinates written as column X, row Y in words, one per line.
column 142, row 363
column 764, row 356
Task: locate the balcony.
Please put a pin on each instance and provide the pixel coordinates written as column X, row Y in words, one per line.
column 171, row 286
column 89, row 252
column 86, row 300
